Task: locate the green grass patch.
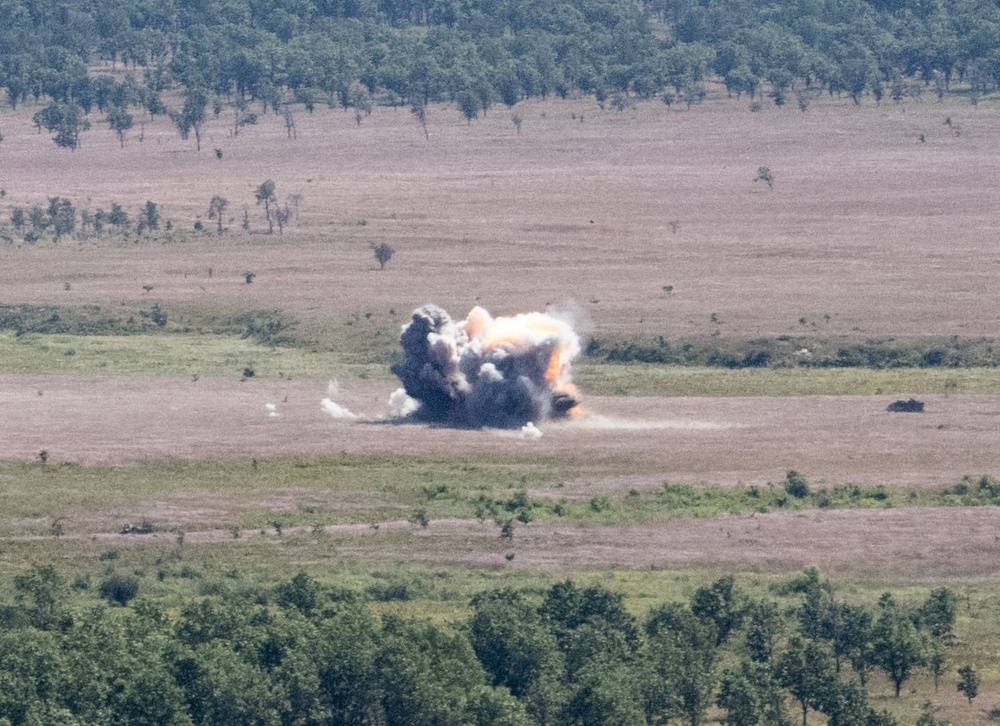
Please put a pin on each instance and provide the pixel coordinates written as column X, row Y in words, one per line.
column 170, row 355
column 637, row 379
column 309, row 493
column 806, row 351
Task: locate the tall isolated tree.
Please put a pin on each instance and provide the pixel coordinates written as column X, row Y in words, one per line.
column 968, row 682
column 216, row 210
column 265, row 195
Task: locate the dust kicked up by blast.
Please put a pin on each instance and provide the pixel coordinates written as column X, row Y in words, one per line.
column 484, row 371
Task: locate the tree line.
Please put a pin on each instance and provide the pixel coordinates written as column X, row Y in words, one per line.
column 305, row 653
column 213, row 55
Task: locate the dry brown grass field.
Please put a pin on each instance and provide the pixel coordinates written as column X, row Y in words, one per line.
column 646, row 222
column 881, row 222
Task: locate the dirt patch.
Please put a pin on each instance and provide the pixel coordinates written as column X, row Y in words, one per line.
column 925, row 544
column 605, row 212
column 727, row 441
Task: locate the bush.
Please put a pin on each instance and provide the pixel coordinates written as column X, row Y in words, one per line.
column 119, row 589
column 796, row 485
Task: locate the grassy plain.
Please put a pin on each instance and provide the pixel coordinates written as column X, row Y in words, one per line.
column 641, row 223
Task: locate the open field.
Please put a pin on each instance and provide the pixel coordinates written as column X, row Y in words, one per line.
column 867, row 231
column 641, row 223
column 644, row 223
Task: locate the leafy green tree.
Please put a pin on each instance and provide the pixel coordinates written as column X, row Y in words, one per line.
column 224, row 688
column 469, row 104
column 805, row 668
column 511, row 641
column 720, row 604
column 348, row 676
column 119, row 589
column 679, row 664
column 32, row 673
column 120, row 121
column 937, row 658
column 937, row 614
column 301, row 592
column 852, row 638
column 216, row 210
column 40, row 594
column 968, row 682
column 117, row 217
column 149, row 217
column 896, row 645
column 265, row 195
column 425, row 674
column 191, row 117
column 752, row 696
column 18, row 218
column 383, row 252
column 62, row 217
column 763, row 627
column 606, row 693
column 66, row 120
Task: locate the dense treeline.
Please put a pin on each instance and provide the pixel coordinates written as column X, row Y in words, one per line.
column 302, row 653
column 355, row 53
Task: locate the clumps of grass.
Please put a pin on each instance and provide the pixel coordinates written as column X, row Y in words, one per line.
column 398, row 587
column 786, row 351
column 794, row 492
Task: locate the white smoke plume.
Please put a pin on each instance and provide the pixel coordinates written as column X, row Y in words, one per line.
column 332, row 408
column 483, row 371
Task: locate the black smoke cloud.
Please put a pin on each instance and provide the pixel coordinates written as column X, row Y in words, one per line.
column 482, row 371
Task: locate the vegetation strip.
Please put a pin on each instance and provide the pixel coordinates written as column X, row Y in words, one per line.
column 304, row 651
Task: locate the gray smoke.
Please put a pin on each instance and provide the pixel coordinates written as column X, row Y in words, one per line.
column 500, row 372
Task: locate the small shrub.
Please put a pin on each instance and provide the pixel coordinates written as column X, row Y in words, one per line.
column 600, row 504
column 796, row 485
column 383, row 253
column 507, row 530
column 119, row 589
column 764, row 175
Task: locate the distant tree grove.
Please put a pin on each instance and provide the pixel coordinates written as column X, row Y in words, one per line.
column 306, row 653
column 223, row 54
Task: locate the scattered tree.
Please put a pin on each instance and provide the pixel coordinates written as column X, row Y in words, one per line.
column 62, row 217
column 968, row 682
column 764, row 174
column 383, row 253
column 265, row 195
column 216, row 211
column 120, row 121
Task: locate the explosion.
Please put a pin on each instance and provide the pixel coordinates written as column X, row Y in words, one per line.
column 503, row 372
